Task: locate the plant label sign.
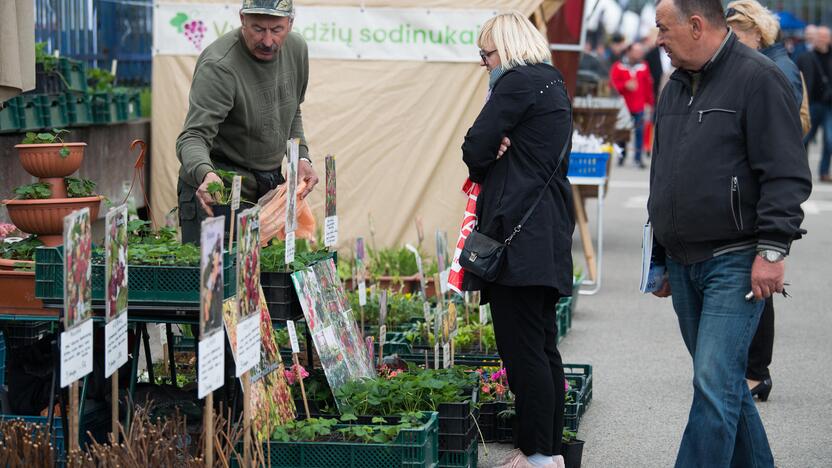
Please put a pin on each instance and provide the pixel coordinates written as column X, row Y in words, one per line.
column 248, row 343
column 236, row 186
column 76, row 341
column 382, row 307
column 483, row 314
column 426, row 311
column 211, row 343
column 419, row 267
column 290, row 248
column 446, row 355
column 443, row 280
column 292, row 149
column 211, row 364
column 331, row 220
column 293, row 336
column 115, row 277
column 248, row 290
column 76, row 353
column 362, row 292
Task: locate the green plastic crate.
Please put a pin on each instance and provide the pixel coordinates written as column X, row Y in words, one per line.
column 106, row 108
column 79, row 106
column 11, row 119
column 131, row 105
column 147, row 284
column 417, row 447
column 466, row 459
column 53, row 110
column 30, row 115
column 73, row 74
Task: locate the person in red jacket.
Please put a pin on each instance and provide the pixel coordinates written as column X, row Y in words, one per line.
column 631, row 78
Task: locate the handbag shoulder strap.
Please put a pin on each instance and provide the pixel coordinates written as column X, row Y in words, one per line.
column 529, row 212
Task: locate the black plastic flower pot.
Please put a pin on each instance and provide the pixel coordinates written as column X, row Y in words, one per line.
column 281, row 298
column 224, row 210
column 572, row 452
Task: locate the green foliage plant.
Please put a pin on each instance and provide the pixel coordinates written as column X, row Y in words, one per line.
column 36, row 191
column 53, row 136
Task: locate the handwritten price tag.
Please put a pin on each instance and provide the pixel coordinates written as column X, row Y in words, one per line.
column 293, row 336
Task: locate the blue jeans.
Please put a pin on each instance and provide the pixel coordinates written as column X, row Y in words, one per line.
column 821, row 115
column 717, row 324
column 638, row 125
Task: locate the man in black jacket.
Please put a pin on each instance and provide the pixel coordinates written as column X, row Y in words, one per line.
column 816, row 66
column 728, row 176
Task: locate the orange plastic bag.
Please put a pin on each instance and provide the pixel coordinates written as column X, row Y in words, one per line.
column 273, row 215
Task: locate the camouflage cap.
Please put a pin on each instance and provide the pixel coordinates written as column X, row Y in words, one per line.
column 268, row 7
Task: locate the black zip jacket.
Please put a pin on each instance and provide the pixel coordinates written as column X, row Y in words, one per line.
column 729, row 170
column 529, row 105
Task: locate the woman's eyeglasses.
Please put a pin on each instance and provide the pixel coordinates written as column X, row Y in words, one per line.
column 484, row 55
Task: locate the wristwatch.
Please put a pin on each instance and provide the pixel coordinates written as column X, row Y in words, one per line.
column 304, row 158
column 771, row 256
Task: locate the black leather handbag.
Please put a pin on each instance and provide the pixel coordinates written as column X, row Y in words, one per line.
column 483, row 256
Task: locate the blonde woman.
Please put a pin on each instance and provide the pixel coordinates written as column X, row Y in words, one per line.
column 758, row 28
column 513, row 150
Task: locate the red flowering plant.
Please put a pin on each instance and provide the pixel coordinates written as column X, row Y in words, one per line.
column 494, row 384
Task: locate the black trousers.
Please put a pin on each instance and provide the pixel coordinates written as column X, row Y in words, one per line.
column 762, row 346
column 525, row 327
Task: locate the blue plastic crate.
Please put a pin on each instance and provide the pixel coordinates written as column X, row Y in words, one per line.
column 57, row 432
column 588, row 164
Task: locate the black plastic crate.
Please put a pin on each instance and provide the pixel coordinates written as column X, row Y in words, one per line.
column 466, row 459
column 487, row 420
column 457, row 442
column 20, row 333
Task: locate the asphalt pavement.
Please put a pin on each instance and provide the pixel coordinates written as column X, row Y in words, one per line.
column 642, row 371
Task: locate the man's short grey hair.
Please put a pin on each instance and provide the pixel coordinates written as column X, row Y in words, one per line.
column 711, row 10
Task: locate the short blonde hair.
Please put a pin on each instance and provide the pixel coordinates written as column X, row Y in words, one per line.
column 516, row 39
column 751, row 16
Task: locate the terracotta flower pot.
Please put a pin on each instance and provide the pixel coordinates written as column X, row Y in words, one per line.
column 45, row 160
column 19, row 294
column 46, row 217
column 10, row 265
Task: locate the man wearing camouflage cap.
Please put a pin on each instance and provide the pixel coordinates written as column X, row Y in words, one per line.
column 244, row 105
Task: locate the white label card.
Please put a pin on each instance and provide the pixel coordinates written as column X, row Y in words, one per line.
column 443, row 281
column 483, row 315
column 330, row 231
column 290, row 247
column 446, row 355
column 426, row 311
column 436, row 350
column 236, row 185
column 211, row 363
column 248, row 343
column 293, row 336
column 115, row 348
column 76, row 353
column 362, row 293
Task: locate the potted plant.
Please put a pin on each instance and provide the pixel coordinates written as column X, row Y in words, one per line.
column 572, row 449
column 40, row 208
column 275, row 276
column 18, row 253
column 46, row 155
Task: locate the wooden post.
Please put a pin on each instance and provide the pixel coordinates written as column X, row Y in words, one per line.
column 300, row 381
column 114, row 408
column 246, row 419
column 73, row 418
column 208, row 430
column 586, row 237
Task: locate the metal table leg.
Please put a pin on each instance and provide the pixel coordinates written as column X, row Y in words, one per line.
column 171, row 353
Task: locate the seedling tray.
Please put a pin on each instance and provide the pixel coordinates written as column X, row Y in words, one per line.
column 412, row 448
column 466, row 459
column 147, row 284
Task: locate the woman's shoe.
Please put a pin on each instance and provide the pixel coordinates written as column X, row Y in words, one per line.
column 762, row 389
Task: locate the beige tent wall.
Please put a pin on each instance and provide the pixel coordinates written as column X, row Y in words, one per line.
column 395, row 127
column 17, row 53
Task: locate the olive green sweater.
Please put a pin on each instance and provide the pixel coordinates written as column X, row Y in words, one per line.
column 242, row 109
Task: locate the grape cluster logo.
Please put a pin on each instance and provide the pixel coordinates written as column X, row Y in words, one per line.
column 193, row 29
